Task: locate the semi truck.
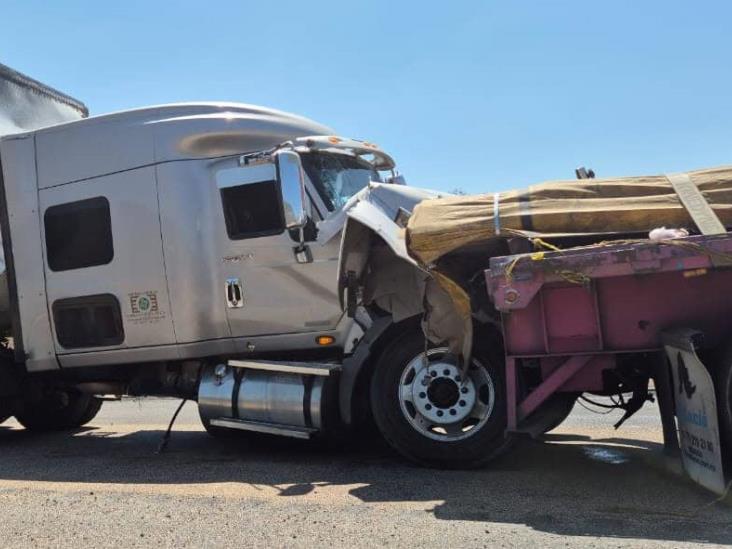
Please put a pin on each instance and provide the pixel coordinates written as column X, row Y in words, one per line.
column 286, row 279
column 243, row 257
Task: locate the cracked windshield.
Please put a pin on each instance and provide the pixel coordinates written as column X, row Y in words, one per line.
column 337, row 177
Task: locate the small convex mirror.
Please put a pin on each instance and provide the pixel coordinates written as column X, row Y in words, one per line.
column 292, row 185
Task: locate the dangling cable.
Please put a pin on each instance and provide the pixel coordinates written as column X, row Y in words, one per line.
column 166, row 437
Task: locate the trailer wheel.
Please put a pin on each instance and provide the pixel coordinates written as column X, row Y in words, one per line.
column 430, row 414
column 66, row 410
column 723, row 386
column 551, row 414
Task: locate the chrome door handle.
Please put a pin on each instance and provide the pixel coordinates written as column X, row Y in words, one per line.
column 234, row 293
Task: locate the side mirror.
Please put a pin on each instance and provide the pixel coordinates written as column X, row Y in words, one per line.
column 292, row 187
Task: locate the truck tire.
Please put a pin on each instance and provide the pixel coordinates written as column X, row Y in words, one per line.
column 69, row 412
column 429, row 415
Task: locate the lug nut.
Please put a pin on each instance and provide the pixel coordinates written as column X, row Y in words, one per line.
column 440, row 413
column 464, row 390
column 428, row 406
column 458, row 379
column 462, row 403
column 422, row 395
column 433, row 373
column 452, row 411
column 445, row 372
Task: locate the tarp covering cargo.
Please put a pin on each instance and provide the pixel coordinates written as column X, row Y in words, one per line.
column 26, row 104
column 587, row 206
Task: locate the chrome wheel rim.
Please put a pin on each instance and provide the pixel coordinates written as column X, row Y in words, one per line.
column 442, row 404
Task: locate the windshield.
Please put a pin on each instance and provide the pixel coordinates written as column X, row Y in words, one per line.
column 337, row 177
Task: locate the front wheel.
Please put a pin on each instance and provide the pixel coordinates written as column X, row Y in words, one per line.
column 431, row 413
column 5, row 412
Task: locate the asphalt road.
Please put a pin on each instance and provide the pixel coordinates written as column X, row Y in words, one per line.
column 584, row 486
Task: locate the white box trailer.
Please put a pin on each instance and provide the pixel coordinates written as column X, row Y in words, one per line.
column 26, row 104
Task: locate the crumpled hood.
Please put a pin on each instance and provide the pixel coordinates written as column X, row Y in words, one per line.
column 392, row 197
column 397, row 283
column 386, row 197
column 375, row 207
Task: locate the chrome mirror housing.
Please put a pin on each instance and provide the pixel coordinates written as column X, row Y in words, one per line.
column 292, row 187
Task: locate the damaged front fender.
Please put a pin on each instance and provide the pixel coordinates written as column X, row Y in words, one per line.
column 376, row 269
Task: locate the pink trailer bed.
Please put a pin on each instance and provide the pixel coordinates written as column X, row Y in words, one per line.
column 574, row 319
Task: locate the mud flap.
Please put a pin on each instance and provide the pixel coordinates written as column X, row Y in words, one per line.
column 696, row 411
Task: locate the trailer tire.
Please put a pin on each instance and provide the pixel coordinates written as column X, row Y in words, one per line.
column 723, row 386
column 75, row 410
column 551, row 414
column 459, row 445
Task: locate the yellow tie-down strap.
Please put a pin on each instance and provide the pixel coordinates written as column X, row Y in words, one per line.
column 693, row 200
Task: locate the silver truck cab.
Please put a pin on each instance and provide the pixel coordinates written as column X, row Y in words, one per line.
column 160, row 234
column 235, row 255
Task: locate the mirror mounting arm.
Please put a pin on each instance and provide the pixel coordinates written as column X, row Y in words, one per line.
column 303, row 254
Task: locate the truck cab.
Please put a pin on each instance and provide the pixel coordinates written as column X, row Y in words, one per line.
column 199, row 250
column 140, row 234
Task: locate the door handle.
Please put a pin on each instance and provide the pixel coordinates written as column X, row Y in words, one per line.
column 234, row 293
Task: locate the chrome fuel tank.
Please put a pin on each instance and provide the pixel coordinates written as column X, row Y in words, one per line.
column 286, row 399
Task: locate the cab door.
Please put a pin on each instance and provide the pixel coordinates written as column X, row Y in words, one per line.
column 271, row 284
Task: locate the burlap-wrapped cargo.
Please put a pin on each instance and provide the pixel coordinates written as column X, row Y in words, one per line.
column 587, row 206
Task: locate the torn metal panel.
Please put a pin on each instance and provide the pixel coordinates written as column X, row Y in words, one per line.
column 373, row 251
column 373, row 211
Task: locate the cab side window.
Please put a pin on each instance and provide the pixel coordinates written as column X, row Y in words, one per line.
column 252, row 210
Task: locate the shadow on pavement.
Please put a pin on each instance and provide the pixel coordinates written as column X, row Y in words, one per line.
column 563, row 488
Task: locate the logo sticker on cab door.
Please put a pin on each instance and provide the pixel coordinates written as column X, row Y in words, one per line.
column 144, row 308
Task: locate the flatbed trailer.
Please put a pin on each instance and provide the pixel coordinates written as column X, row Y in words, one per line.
column 658, row 308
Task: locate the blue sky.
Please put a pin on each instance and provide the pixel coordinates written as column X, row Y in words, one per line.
column 477, row 95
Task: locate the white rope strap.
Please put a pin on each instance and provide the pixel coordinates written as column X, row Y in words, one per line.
column 696, row 205
column 496, row 215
